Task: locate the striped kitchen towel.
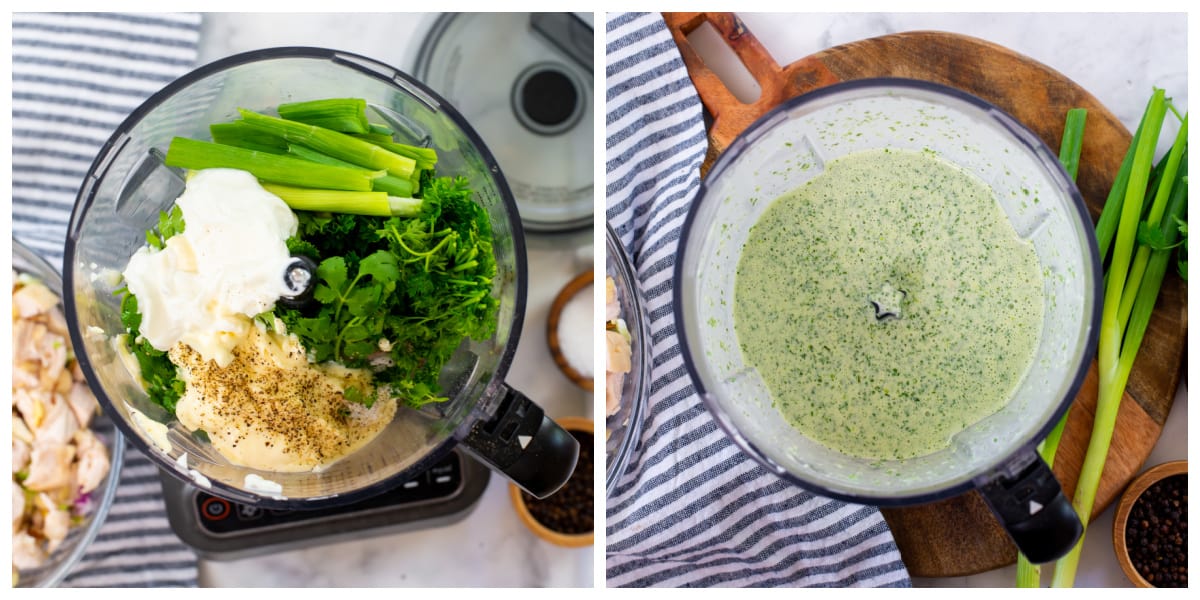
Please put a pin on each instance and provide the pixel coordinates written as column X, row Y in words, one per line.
column 691, row 508
column 75, row 77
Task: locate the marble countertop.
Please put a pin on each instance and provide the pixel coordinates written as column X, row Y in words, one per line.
column 1119, row 59
column 490, row 547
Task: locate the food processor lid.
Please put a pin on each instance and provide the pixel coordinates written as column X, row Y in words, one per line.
column 524, row 81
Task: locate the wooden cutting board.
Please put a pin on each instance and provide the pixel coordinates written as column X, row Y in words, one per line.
column 960, row 536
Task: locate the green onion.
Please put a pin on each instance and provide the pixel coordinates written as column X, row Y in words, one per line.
column 374, row 137
column 1106, row 226
column 1029, row 574
column 196, row 155
column 333, row 143
column 384, row 129
column 1118, row 344
column 242, row 135
column 386, row 183
column 394, row 186
column 1156, row 212
column 347, row 115
column 374, row 204
column 1072, row 141
column 426, row 158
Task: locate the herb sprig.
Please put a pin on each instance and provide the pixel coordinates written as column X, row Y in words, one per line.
column 401, row 292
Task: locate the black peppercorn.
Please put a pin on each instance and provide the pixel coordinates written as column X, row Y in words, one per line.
column 569, row 510
column 1156, row 533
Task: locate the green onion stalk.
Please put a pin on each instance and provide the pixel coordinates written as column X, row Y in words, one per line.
column 332, row 143
column 1029, row 574
column 347, row 115
column 196, row 155
column 372, row 204
column 1138, row 277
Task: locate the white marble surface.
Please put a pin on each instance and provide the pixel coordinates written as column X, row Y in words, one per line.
column 490, row 547
column 1118, row 58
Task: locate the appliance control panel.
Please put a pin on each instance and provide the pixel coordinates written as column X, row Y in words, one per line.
column 221, row 529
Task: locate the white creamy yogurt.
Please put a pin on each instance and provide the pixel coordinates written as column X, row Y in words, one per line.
column 226, row 267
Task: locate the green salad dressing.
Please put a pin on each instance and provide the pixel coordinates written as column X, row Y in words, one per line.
column 888, row 304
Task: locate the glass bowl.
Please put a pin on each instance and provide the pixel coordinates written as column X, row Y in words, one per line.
column 72, row 548
column 625, row 425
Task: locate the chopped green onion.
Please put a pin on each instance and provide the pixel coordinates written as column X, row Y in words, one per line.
column 404, row 207
column 333, row 143
column 394, row 186
column 347, row 115
column 426, row 158
column 309, row 154
column 374, row 204
column 239, row 134
column 391, row 184
column 374, row 137
column 196, row 155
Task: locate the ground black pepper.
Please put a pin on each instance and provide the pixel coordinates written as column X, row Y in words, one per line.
column 1156, row 533
column 569, row 510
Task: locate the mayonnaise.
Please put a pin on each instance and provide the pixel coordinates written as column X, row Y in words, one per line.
column 226, row 267
column 272, row 410
column 156, row 432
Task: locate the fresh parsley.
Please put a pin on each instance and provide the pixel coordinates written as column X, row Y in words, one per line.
column 158, row 372
column 410, row 289
column 169, row 224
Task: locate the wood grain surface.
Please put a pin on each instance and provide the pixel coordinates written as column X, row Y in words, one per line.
column 960, row 536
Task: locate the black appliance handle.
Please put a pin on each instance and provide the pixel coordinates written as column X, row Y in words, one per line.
column 524, row 445
column 1033, row 510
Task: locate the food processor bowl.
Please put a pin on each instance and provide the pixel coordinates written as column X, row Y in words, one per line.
column 128, row 185
column 788, row 147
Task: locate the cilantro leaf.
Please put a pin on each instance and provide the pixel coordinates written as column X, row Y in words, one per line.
column 422, row 283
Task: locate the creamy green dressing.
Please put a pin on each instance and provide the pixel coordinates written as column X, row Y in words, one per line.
column 888, row 304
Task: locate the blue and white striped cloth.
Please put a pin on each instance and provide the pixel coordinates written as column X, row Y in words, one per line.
column 75, row 77
column 692, row 509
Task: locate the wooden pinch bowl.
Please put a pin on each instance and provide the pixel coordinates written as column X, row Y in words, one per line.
column 573, row 287
column 577, row 540
column 1132, row 493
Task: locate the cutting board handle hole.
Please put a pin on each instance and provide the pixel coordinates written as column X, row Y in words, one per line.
column 725, row 63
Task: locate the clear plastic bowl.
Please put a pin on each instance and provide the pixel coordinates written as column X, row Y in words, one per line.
column 71, row 551
column 625, row 426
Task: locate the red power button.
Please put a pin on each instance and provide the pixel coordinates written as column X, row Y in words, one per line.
column 215, row 509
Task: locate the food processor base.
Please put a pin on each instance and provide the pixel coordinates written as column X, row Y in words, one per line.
column 218, row 529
